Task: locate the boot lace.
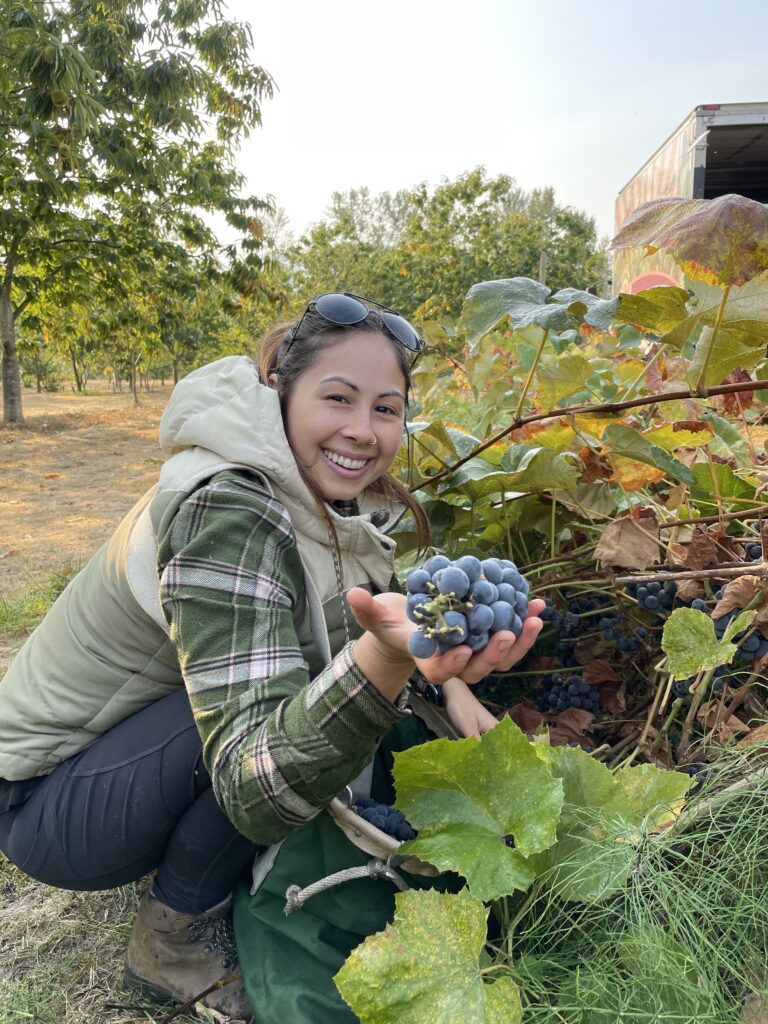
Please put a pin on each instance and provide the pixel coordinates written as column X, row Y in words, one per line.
column 217, row 936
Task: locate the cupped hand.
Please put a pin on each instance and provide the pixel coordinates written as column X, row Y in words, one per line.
column 384, row 616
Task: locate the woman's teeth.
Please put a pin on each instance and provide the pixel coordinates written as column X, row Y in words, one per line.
column 342, row 460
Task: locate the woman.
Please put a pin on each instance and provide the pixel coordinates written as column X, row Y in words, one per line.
column 179, row 728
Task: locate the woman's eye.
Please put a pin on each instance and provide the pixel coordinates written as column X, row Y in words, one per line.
column 337, row 398
column 388, row 410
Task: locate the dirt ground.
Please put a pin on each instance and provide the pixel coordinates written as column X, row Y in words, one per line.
column 69, row 473
column 67, row 476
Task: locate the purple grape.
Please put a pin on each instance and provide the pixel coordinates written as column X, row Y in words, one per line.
column 521, row 604
column 503, row 616
column 483, row 592
column 414, row 601
column 517, row 625
column 453, row 581
column 417, row 581
column 480, row 619
column 436, row 562
column 477, row 641
column 421, row 646
column 507, row 564
column 492, row 570
column 470, row 565
column 459, row 622
column 507, row 593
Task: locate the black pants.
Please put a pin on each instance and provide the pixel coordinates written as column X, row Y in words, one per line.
column 137, row 799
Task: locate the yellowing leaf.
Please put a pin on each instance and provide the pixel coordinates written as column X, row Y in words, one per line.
column 632, row 475
column 671, row 436
column 425, row 967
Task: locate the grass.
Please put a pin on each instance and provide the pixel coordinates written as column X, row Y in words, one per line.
column 22, row 608
column 686, row 942
column 61, row 955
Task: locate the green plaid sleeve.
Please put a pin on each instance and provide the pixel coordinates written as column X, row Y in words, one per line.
column 277, row 746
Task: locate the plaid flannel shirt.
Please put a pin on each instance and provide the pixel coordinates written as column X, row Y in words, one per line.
column 278, row 746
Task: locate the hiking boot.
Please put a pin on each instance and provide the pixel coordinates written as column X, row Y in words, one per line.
column 173, row 956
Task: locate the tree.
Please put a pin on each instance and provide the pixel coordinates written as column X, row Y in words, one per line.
column 421, row 250
column 118, row 133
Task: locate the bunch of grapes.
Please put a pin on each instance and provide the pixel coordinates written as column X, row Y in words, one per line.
column 559, row 692
column 655, row 597
column 463, row 602
column 613, row 631
column 387, row 819
column 753, row 552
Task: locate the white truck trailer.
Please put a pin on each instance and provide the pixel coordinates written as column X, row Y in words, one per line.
column 720, row 148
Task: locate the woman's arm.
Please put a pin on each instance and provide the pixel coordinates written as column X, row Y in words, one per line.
column 277, row 746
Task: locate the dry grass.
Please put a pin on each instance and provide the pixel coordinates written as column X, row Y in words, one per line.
column 68, row 475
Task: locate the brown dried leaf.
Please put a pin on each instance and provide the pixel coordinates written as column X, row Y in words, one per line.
column 676, row 553
column 572, row 726
column 727, row 549
column 613, row 698
column 526, row 716
column 586, row 651
column 756, row 736
column 726, row 726
column 596, row 467
column 689, row 590
column 600, row 671
column 630, row 543
column 739, row 593
column 732, row 404
column 702, row 549
column 754, row 1010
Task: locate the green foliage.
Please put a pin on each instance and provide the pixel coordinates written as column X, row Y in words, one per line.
column 403, row 966
column 466, row 825
column 109, row 166
column 690, row 644
column 420, row 250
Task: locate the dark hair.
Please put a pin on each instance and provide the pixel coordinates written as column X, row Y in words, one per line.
column 289, row 361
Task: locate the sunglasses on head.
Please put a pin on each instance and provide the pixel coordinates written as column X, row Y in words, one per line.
column 346, row 310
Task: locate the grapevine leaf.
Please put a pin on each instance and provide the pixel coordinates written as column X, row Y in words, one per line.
column 629, row 442
column 729, row 485
column 734, row 445
column 566, row 375
column 466, row 797
column 656, row 310
column 629, row 543
column 721, row 241
column 490, row 302
column 587, row 308
column 691, row 646
column 671, row 436
column 604, row 817
column 540, row 469
column 744, row 321
column 425, row 967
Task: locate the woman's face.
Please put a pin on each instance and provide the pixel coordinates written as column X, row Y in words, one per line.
column 345, row 415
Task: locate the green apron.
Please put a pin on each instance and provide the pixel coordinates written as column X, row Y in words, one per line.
column 288, row 962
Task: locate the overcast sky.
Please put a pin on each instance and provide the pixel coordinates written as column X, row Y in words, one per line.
column 573, row 95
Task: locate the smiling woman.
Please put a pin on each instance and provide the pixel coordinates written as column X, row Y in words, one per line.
column 199, row 691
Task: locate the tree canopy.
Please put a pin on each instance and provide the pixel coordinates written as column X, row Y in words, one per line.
column 119, row 132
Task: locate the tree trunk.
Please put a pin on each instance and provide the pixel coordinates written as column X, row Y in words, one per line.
column 75, row 369
column 175, row 369
column 12, row 411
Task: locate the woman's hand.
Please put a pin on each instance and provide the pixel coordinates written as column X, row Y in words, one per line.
column 467, row 715
column 384, row 619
